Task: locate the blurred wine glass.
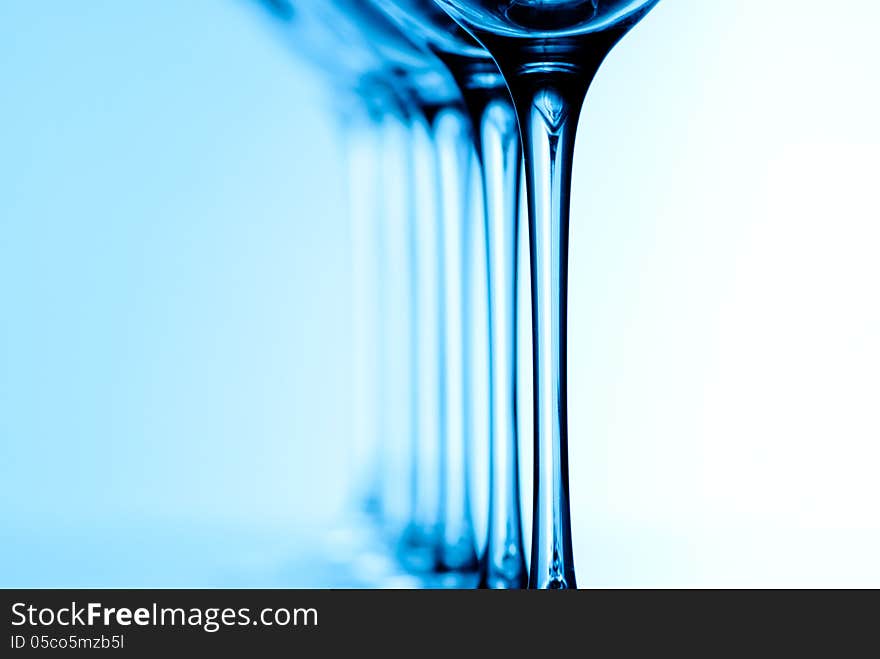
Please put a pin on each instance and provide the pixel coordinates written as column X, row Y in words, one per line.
column 497, row 143
column 377, row 86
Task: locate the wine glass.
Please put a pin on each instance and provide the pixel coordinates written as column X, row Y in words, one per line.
column 361, row 100
column 496, row 137
column 438, row 538
column 380, row 83
column 549, row 52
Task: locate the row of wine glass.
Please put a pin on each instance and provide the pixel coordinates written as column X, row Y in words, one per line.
column 494, row 83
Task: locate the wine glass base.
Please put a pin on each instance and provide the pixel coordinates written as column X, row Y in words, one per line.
column 416, row 549
column 453, row 580
column 455, row 567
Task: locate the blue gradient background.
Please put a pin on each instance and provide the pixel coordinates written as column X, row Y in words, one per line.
column 175, row 301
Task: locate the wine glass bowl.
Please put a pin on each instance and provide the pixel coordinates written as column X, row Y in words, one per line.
column 541, row 19
column 416, row 71
column 426, row 21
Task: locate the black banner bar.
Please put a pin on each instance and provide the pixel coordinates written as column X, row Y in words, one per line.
column 275, row 622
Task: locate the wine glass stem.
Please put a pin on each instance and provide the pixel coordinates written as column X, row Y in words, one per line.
column 456, row 551
column 360, row 135
column 498, row 145
column 548, row 120
column 389, row 300
column 417, row 543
